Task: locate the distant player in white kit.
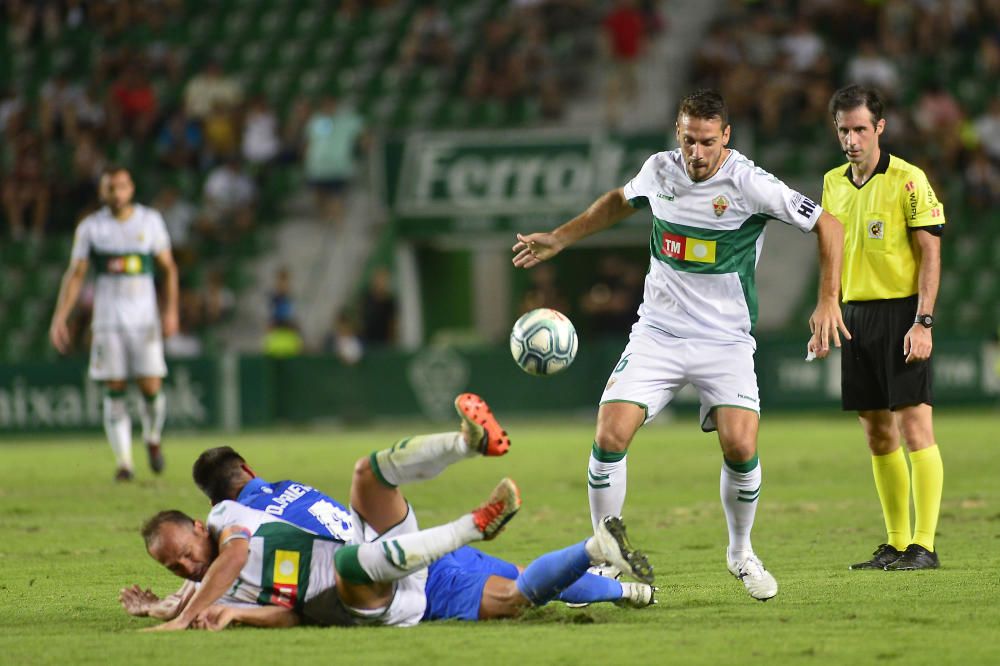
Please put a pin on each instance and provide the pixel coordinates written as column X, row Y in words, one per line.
column 123, row 240
column 709, row 206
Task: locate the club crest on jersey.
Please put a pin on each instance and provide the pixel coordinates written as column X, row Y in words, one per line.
column 719, row 205
column 876, row 229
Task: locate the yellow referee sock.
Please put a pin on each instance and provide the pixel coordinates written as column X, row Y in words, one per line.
column 928, row 479
column 892, row 480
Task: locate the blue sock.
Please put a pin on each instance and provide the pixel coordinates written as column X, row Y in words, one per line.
column 552, row 573
column 590, row 588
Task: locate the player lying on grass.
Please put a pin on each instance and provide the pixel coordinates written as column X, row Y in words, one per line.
column 251, row 556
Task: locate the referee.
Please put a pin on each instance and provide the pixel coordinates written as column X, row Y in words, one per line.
column 891, row 271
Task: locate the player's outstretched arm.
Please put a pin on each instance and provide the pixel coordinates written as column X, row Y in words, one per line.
column 171, row 295
column 827, row 322
column 609, row 209
column 69, row 290
column 234, row 550
column 217, row 618
column 142, row 603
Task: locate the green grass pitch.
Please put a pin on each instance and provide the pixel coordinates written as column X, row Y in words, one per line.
column 69, row 541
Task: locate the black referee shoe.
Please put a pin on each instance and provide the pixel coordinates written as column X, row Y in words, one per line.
column 915, row 557
column 883, row 556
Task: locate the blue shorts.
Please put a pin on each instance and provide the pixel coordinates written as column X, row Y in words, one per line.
column 455, row 583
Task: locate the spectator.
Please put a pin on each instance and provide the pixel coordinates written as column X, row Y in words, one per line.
column 870, row 68
column 343, row 340
column 210, row 88
column 803, row 46
column 987, row 128
column 613, row 299
column 982, row 183
column 282, row 302
column 27, row 187
column 718, row 53
column 218, row 300
column 293, row 129
column 180, row 217
column 493, row 73
column 179, row 143
column 133, row 104
column 261, row 141
column 12, row 108
column 58, row 97
column 89, row 112
column 283, row 340
column 228, row 198
column 186, row 343
column 987, row 62
column 333, row 135
column 428, row 42
column 938, row 117
column 222, row 140
column 758, row 42
column 378, row 310
column 87, row 166
column 544, row 291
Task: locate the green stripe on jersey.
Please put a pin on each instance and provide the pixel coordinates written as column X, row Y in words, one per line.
column 122, row 263
column 282, row 536
column 735, row 252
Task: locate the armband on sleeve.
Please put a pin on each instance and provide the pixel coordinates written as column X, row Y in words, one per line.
column 240, row 533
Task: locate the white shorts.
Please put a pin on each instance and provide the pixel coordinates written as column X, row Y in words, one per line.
column 655, row 366
column 409, row 601
column 127, row 353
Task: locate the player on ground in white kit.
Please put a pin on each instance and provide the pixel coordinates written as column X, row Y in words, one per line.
column 123, row 240
column 709, row 205
column 369, row 567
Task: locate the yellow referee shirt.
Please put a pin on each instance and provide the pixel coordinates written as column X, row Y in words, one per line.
column 879, row 260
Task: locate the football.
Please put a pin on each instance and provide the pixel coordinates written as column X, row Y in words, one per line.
column 543, row 342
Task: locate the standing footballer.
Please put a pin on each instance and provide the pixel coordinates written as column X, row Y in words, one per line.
column 123, row 240
column 709, row 207
column 891, row 271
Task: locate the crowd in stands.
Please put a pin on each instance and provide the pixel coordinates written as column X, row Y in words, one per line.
column 100, row 82
column 937, row 62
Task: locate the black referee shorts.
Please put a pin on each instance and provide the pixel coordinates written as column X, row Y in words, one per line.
column 873, row 369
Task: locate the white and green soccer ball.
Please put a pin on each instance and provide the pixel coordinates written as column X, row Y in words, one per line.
column 543, row 342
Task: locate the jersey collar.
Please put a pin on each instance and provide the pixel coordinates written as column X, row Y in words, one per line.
column 881, row 167
column 254, row 487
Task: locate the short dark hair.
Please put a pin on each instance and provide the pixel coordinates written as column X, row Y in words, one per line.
column 705, row 104
column 112, row 169
column 853, row 96
column 151, row 528
column 217, row 471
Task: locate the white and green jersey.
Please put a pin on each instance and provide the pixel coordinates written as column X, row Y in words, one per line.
column 287, row 565
column 122, row 252
column 706, row 240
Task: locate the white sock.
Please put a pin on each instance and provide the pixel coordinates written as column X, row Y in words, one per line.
column 118, row 428
column 398, row 557
column 152, row 413
column 739, row 491
column 606, row 481
column 420, row 458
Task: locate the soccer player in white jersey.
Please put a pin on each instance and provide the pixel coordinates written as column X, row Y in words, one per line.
column 709, row 206
column 123, row 240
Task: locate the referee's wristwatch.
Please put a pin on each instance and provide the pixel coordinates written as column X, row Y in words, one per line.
column 924, row 320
